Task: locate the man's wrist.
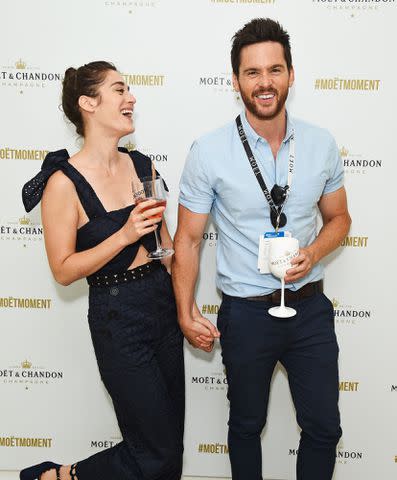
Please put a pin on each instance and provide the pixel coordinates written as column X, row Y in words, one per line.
column 185, row 319
column 313, row 253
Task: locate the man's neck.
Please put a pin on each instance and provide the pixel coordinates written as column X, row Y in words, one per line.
column 272, row 130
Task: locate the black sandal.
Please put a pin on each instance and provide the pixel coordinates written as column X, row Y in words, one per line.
column 34, row 472
column 72, row 472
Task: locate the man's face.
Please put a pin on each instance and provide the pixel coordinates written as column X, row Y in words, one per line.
column 263, row 79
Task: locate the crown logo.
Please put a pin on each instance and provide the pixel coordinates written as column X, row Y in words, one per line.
column 26, row 364
column 335, row 303
column 20, row 64
column 129, row 146
column 344, row 152
column 24, row 220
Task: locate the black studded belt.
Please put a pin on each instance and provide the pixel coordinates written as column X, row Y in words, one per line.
column 306, row 291
column 111, row 279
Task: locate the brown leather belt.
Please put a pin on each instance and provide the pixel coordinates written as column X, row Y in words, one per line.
column 306, row 291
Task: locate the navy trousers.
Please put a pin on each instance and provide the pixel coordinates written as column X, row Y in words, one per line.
column 139, row 349
column 252, row 342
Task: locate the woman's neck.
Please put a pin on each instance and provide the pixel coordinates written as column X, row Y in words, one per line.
column 100, row 152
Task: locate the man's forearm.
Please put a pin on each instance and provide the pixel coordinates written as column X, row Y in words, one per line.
column 185, row 267
column 330, row 237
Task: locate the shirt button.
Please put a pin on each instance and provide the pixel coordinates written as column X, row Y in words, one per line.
column 114, row 291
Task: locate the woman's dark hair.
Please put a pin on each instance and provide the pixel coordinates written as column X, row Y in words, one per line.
column 83, row 81
column 259, row 30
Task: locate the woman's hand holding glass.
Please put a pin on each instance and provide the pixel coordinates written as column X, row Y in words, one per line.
column 154, row 188
column 142, row 220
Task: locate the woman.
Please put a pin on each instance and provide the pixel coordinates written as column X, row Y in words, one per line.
column 132, row 315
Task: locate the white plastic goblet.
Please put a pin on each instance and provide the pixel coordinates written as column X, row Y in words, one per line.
column 282, row 250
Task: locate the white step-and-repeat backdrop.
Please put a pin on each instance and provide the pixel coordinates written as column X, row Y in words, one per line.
column 175, row 56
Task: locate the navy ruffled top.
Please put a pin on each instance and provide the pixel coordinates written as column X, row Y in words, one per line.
column 101, row 224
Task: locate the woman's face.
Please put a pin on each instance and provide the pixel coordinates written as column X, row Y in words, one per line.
column 113, row 106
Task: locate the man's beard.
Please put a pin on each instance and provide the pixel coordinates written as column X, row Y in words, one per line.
column 256, row 111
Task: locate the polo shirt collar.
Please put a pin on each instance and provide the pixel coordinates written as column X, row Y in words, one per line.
column 253, row 137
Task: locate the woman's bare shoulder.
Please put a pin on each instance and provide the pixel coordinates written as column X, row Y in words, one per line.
column 59, row 182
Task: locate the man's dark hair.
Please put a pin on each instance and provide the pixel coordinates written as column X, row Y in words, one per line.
column 259, row 30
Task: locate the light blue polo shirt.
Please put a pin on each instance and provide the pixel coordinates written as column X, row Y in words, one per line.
column 217, row 179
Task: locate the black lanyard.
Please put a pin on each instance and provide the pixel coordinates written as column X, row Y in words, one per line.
column 277, row 210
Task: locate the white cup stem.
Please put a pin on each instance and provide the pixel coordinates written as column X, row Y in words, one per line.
column 282, row 293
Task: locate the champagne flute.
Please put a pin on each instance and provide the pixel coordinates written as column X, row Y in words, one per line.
column 282, row 250
column 152, row 188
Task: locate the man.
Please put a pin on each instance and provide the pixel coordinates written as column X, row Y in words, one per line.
column 300, row 165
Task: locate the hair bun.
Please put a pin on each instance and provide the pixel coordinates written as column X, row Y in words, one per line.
column 70, row 73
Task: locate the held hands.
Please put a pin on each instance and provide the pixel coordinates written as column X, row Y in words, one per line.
column 199, row 331
column 301, row 265
column 142, row 220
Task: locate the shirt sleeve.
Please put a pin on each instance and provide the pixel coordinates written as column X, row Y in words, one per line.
column 335, row 169
column 196, row 192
